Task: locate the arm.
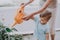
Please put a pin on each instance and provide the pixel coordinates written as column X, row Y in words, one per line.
column 24, row 18
column 25, row 4
column 32, row 17
column 47, row 3
column 28, row 3
column 47, row 36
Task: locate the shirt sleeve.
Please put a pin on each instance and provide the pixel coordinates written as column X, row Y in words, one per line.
column 36, row 18
column 47, row 29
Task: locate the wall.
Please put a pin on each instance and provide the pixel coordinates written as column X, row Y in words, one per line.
column 9, row 12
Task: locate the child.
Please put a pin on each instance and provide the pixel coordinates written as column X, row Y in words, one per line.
column 42, row 28
column 51, row 6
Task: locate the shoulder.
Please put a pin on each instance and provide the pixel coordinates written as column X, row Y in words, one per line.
column 36, row 17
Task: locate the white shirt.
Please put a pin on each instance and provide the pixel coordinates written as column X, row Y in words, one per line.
column 52, row 5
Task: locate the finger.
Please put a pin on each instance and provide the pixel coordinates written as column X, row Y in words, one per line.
column 27, row 19
column 24, row 17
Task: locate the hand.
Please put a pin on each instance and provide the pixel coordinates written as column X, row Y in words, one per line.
column 31, row 0
column 23, row 5
column 27, row 17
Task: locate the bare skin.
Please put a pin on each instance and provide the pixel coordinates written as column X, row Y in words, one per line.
column 44, row 7
column 25, row 4
column 43, row 21
column 47, row 3
column 47, row 36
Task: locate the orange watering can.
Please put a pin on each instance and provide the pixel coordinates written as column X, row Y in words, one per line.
column 18, row 18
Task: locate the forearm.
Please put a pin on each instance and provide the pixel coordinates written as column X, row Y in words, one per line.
column 47, row 3
column 47, row 36
column 28, row 3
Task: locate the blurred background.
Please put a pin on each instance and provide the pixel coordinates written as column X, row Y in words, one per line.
column 8, row 10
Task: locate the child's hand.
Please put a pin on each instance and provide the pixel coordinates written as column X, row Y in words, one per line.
column 26, row 18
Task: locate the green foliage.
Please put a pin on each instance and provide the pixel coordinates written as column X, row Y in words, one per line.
column 4, row 30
